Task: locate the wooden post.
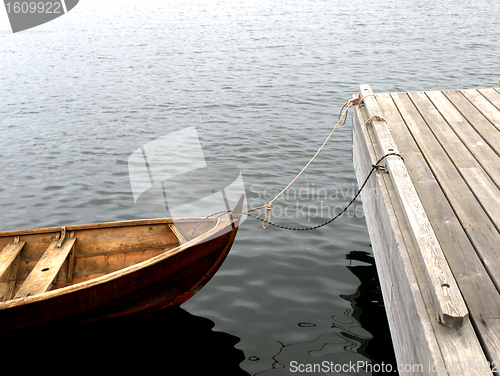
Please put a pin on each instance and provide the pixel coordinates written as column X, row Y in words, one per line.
column 446, row 297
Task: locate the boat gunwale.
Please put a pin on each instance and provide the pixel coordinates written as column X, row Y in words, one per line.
column 118, row 273
column 95, row 226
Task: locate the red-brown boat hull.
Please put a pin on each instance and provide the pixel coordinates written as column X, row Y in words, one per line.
column 158, row 285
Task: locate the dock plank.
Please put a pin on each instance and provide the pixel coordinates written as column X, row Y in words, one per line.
column 477, row 288
column 415, row 331
column 413, row 334
column 492, row 95
column 489, row 132
column 473, row 268
column 446, row 297
column 467, row 265
column 450, row 140
column 471, row 215
column 447, row 131
column 485, row 156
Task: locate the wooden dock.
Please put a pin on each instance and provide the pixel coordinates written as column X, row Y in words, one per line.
column 433, row 214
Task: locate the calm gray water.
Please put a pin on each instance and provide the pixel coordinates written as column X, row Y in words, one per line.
column 263, row 82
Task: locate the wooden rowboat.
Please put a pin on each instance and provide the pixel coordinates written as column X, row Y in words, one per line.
column 52, row 277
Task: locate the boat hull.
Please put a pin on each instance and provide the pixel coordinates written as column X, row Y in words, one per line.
column 167, row 280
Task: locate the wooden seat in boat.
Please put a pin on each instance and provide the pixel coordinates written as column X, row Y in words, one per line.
column 9, row 256
column 47, row 268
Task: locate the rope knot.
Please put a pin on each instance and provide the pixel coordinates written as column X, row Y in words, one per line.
column 354, row 101
column 375, row 117
column 380, row 168
column 267, row 218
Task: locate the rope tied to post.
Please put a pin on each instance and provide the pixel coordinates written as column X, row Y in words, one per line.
column 375, row 117
column 342, row 118
column 267, row 218
column 375, row 167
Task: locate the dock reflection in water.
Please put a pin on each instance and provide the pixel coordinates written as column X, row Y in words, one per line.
column 169, row 342
column 357, row 335
column 368, row 309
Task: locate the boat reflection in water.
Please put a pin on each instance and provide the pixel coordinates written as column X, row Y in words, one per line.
column 167, row 342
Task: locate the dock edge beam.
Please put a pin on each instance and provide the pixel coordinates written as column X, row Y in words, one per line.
column 445, row 294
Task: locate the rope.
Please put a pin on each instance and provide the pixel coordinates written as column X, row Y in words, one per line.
column 375, row 166
column 358, row 100
column 377, row 117
column 221, row 213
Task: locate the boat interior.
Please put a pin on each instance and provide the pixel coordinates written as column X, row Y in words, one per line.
column 40, row 260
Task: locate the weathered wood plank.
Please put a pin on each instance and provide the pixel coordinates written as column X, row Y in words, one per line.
column 459, row 241
column 489, row 132
column 467, row 266
column 492, row 95
column 10, row 259
column 411, row 328
column 9, row 254
column 485, row 156
column 92, row 226
column 446, row 297
column 456, row 345
column 177, row 233
column 489, row 332
column 484, row 237
column 447, row 129
column 47, row 268
column 9, row 292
